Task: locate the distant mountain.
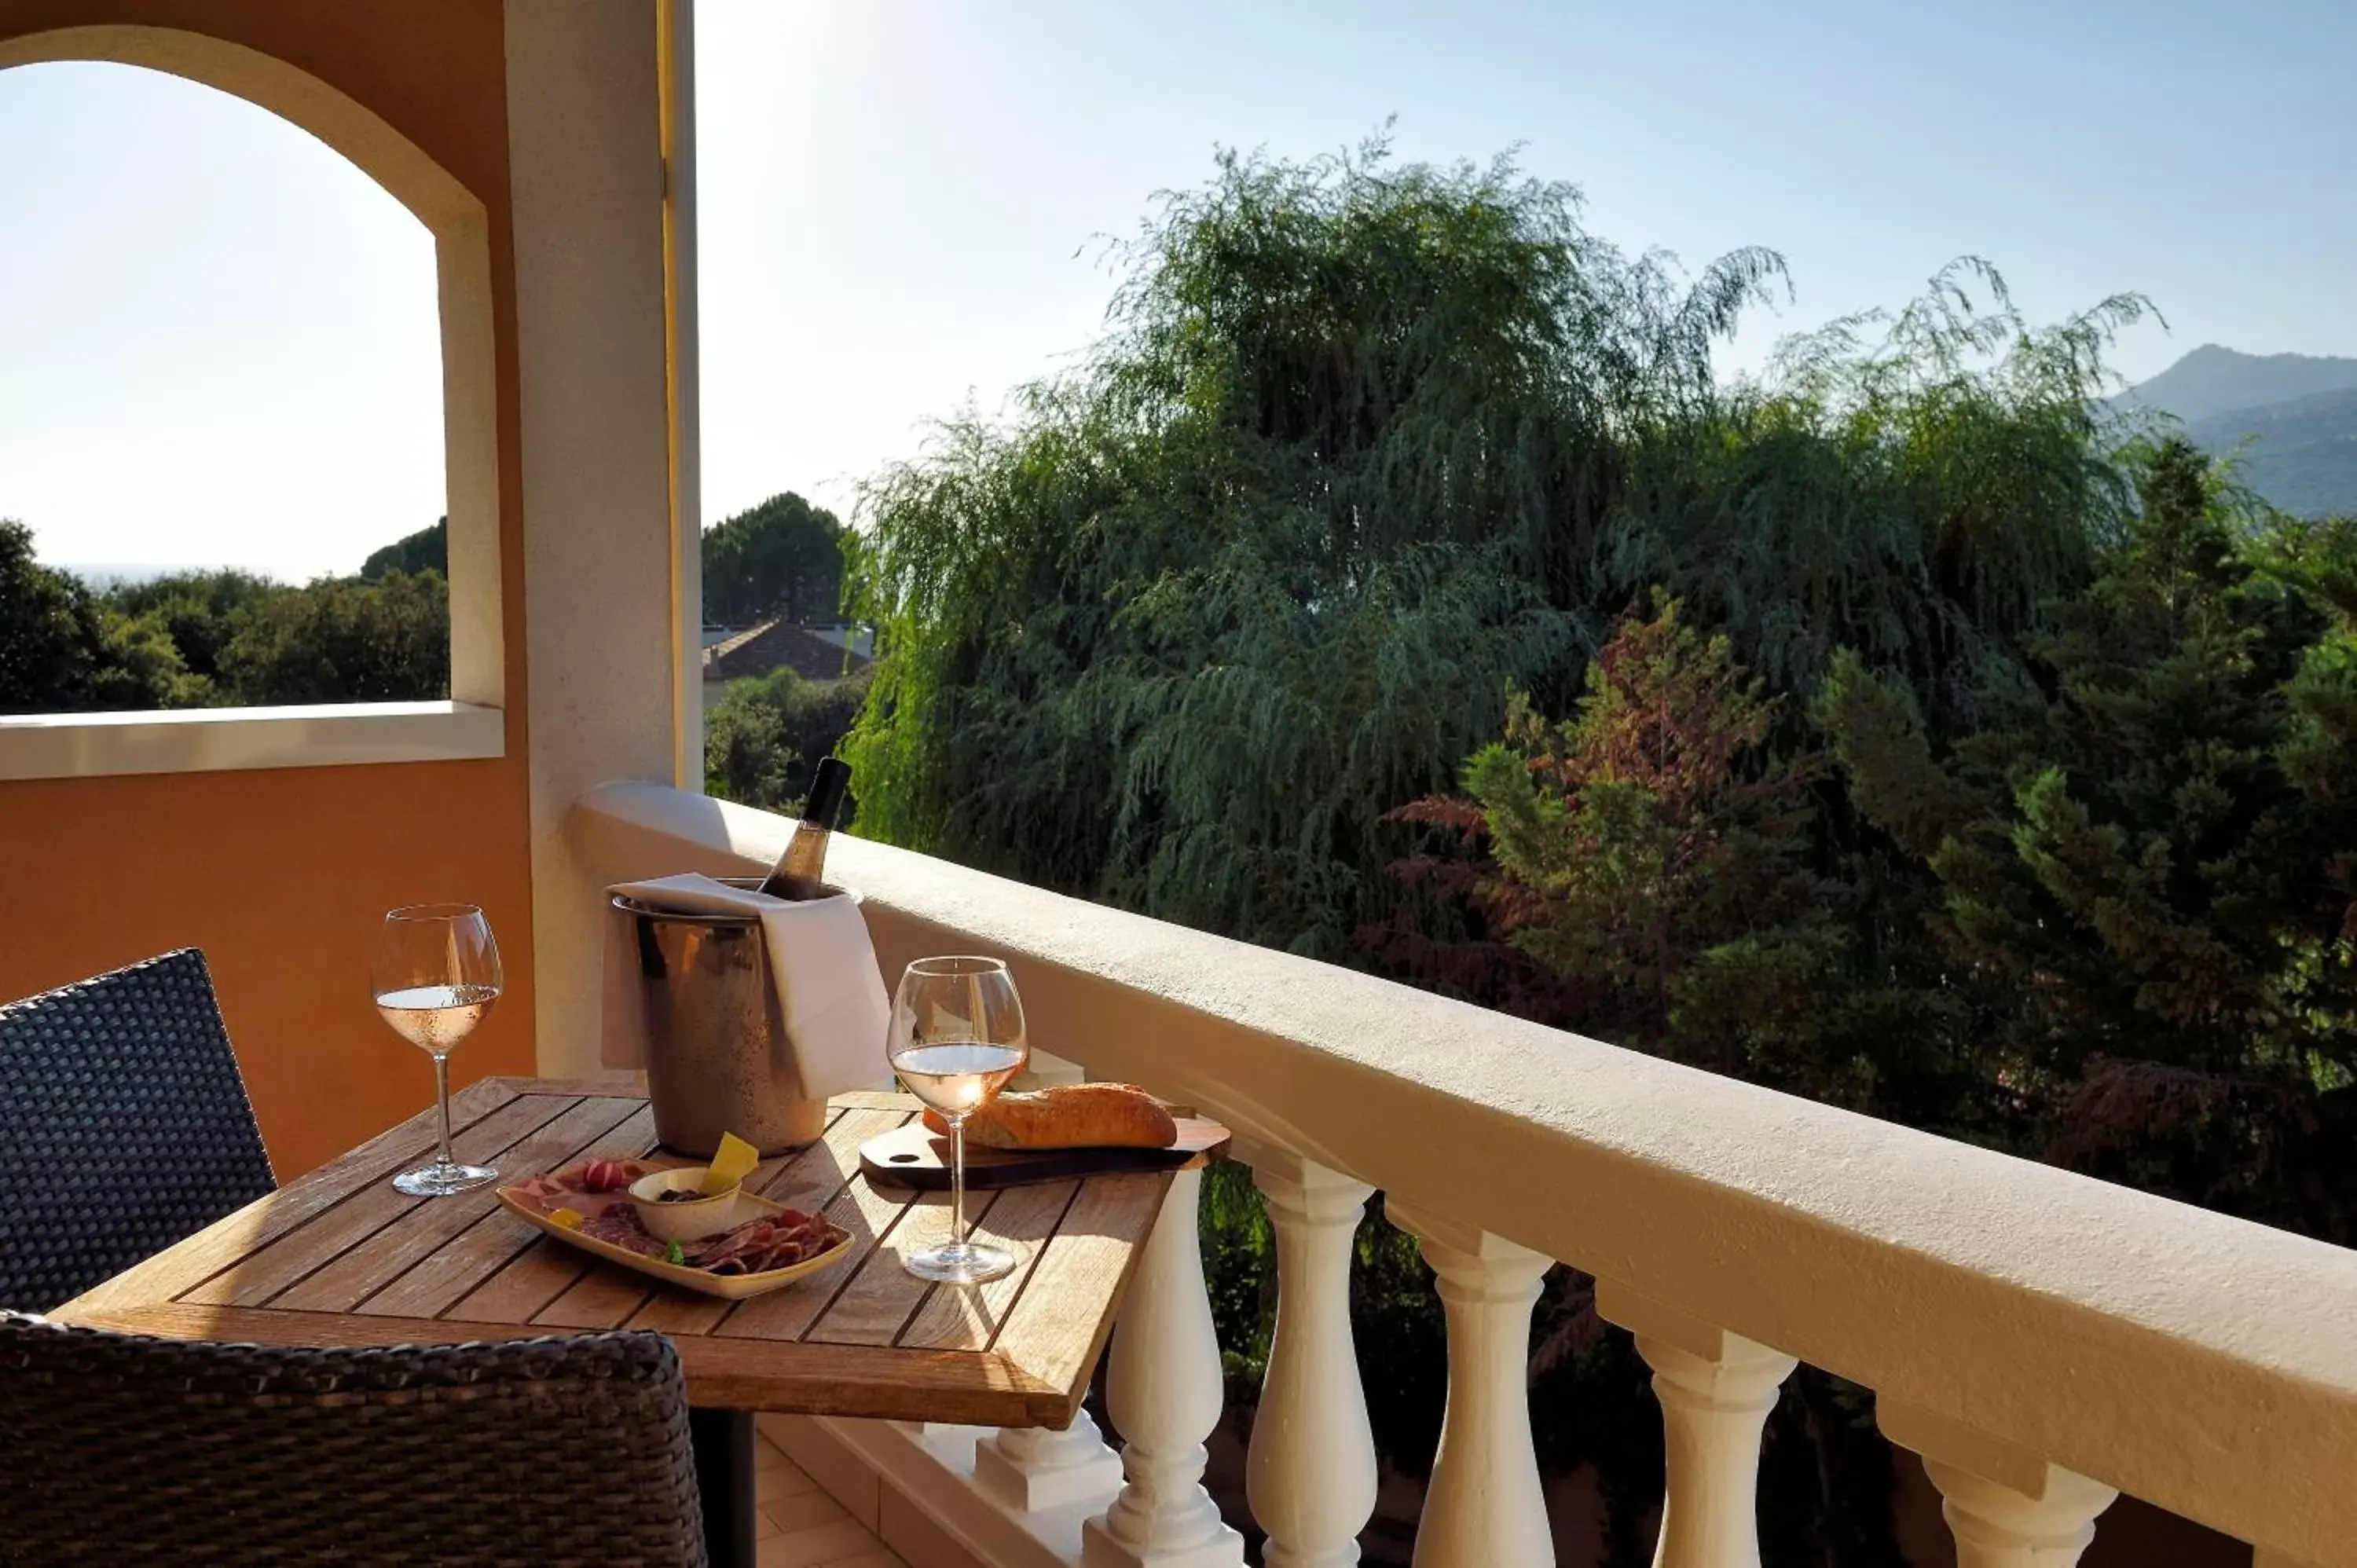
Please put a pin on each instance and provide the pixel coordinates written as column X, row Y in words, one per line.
column 2303, row 459
column 2212, row 381
column 2291, row 419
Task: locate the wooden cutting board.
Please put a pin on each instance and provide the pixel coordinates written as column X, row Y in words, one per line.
column 913, row 1155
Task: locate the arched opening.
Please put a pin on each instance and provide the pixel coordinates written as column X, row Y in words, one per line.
column 454, row 219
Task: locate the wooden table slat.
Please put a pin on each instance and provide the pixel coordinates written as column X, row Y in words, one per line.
column 885, row 1382
column 339, row 1258
column 263, row 1274
column 608, row 1085
column 360, row 1272
column 605, row 1297
column 883, row 1296
column 1021, row 1221
column 206, row 1254
column 1052, row 1331
column 436, row 1282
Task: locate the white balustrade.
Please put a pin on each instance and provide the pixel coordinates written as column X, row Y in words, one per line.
column 1311, row 1471
column 2006, row 1506
column 1035, row 1468
column 2039, row 1308
column 1716, row 1389
column 1164, row 1389
column 1485, row 1507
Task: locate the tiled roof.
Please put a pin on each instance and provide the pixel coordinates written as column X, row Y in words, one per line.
column 774, row 643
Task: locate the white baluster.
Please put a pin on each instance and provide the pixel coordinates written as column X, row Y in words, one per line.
column 1165, row 1391
column 2006, row 1506
column 1311, row 1472
column 1716, row 1389
column 1035, row 1467
column 1485, row 1507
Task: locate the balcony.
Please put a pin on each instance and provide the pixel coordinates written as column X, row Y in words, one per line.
column 2045, row 1343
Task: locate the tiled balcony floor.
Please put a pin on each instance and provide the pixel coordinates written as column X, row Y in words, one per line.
column 802, row 1527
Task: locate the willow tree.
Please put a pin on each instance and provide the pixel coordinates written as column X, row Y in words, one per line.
column 1917, row 487
column 1176, row 632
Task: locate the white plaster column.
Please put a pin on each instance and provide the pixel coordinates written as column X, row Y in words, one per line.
column 1485, row 1507
column 586, row 178
column 1033, row 1469
column 1716, row 1389
column 1311, row 1471
column 2006, row 1506
column 1164, row 1389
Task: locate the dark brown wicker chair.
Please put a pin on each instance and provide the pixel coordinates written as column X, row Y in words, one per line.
column 119, row 1447
column 123, row 1127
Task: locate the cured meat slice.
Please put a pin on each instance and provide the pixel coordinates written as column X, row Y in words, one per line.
column 621, row 1228
column 773, row 1242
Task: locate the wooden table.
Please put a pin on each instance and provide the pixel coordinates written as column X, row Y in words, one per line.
column 339, row 1258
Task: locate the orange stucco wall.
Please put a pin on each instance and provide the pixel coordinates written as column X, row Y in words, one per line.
column 282, row 876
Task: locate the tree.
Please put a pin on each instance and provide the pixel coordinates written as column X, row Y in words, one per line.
column 1179, row 632
column 1651, row 858
column 782, row 559
column 1918, row 486
column 2141, row 856
column 52, row 647
column 343, row 640
column 198, row 613
column 61, row 650
column 764, row 739
column 427, row 549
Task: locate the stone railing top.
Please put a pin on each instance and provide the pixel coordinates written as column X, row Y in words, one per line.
column 2204, row 1363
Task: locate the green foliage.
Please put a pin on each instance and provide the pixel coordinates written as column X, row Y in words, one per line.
column 427, row 549
column 764, row 739
column 54, row 656
column 196, row 615
column 1652, row 855
column 1266, row 563
column 1651, row 873
column 192, row 639
column 2141, row 855
column 342, row 639
column 1916, row 487
column 783, row 558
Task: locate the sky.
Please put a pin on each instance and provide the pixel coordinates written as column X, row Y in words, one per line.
column 219, row 347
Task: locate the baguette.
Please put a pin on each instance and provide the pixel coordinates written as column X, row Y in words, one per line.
column 1070, row 1116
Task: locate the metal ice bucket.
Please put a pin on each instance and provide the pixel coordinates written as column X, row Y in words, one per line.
column 719, row 1058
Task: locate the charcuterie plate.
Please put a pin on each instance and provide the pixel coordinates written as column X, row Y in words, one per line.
column 537, row 1205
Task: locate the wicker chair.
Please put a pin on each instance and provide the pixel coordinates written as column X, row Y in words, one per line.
column 124, row 1126
column 524, row 1450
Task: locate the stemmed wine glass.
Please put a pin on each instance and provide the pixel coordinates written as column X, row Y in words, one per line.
column 436, row 975
column 957, row 1036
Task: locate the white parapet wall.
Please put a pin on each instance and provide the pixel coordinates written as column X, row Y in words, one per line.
column 2056, row 1326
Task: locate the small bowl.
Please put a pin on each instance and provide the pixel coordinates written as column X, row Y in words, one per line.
column 689, row 1219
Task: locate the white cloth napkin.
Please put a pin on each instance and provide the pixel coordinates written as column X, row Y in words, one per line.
column 829, row 987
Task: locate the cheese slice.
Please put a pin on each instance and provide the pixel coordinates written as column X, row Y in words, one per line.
column 731, row 1163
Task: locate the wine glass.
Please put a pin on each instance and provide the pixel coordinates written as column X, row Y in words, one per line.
column 957, row 1036
column 436, row 975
